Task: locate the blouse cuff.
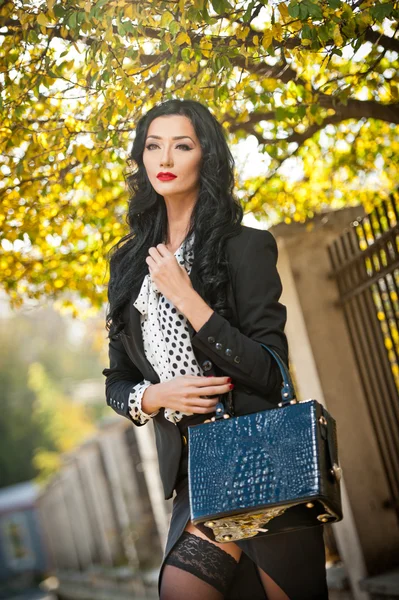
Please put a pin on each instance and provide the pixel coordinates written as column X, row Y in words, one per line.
column 134, row 401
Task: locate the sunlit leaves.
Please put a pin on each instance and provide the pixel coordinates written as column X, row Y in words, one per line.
column 76, row 76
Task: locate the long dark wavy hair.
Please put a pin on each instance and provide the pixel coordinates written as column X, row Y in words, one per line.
column 216, row 216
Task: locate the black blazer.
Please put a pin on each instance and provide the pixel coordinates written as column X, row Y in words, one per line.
column 222, row 347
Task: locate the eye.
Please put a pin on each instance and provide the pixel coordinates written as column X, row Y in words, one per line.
column 178, row 146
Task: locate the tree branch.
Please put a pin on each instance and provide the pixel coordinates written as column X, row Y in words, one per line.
column 389, row 43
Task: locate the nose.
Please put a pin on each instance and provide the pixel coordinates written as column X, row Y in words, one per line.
column 166, row 160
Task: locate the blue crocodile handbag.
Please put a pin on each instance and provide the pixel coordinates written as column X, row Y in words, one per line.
column 267, row 472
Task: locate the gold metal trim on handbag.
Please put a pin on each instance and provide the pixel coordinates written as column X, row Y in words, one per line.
column 231, row 529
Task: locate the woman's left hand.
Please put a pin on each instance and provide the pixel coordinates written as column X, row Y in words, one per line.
column 170, row 277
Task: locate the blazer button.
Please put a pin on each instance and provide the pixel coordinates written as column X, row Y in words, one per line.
column 218, row 346
column 211, row 339
column 237, row 359
column 206, row 365
column 228, row 352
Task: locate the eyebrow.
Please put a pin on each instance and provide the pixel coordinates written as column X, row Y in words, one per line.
column 176, row 137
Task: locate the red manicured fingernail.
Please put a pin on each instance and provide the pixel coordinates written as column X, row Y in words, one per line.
column 229, row 379
column 231, row 385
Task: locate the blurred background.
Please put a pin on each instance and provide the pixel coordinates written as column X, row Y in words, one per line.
column 308, row 94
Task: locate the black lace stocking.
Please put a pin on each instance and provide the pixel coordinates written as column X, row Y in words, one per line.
column 196, row 569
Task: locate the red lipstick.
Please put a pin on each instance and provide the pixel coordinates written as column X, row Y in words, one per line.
column 166, row 176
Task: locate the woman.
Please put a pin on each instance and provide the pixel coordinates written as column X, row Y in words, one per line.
column 192, row 292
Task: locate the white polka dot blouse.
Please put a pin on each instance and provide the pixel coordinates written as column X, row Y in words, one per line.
column 165, row 337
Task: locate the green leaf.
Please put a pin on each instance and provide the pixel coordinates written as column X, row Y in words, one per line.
column 313, row 9
column 334, row 3
column 316, row 12
column 303, row 12
column 293, row 10
column 357, row 44
column 174, row 27
column 301, row 111
column 307, row 33
column 72, row 20
column 218, row 6
column 281, row 113
column 33, row 37
column 185, row 54
column 323, row 33
column 59, row 11
column 225, row 62
column 381, row 11
column 248, row 12
column 205, row 15
column 223, row 93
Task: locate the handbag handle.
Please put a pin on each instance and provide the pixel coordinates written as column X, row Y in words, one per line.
column 288, row 395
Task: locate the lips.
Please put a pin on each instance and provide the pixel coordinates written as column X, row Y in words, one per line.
column 166, row 176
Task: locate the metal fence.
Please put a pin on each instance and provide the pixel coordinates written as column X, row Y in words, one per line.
column 365, row 264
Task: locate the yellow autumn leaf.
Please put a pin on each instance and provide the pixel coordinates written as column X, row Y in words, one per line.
column 130, row 11
column 338, row 40
column 166, row 18
column 42, row 19
column 182, row 38
column 278, row 31
column 267, row 38
column 283, row 10
column 242, row 33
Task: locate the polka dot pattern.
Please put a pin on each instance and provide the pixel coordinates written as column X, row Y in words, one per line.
column 166, row 339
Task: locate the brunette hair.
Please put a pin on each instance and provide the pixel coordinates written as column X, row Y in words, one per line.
column 216, row 216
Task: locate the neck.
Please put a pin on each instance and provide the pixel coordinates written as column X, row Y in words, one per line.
column 179, row 215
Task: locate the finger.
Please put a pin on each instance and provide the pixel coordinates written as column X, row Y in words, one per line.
column 154, row 254
column 213, row 379
column 163, row 250
column 216, row 389
column 206, row 403
column 201, row 410
column 202, row 379
column 150, row 262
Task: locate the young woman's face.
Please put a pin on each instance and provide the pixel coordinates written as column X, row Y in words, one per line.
column 163, row 153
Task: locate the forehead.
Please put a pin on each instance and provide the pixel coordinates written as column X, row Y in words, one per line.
column 170, row 126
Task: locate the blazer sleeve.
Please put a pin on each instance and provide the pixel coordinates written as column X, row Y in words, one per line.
column 123, row 381
column 257, row 289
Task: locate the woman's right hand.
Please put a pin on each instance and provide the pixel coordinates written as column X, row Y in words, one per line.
column 185, row 393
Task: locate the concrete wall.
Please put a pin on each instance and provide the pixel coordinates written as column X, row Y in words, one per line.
column 324, row 366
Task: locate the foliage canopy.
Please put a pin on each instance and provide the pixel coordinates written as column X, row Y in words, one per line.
column 315, row 82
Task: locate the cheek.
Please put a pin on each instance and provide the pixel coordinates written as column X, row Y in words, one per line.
column 194, row 165
column 147, row 163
